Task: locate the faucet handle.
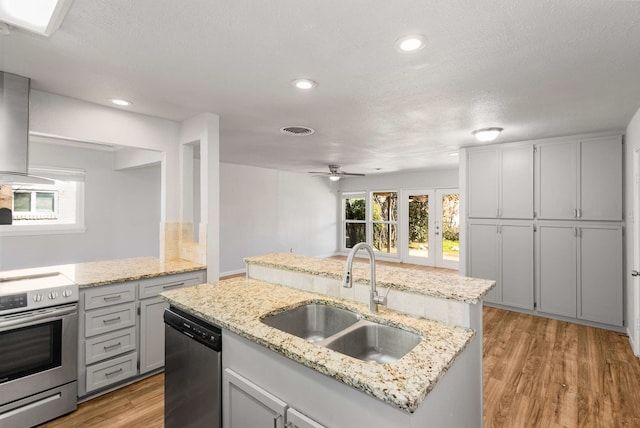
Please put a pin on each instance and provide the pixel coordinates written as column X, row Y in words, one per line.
column 381, row 300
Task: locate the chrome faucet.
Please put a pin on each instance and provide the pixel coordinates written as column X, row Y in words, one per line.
column 374, row 299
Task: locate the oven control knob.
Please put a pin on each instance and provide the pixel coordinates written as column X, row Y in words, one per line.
column 67, row 293
column 53, row 295
column 37, row 297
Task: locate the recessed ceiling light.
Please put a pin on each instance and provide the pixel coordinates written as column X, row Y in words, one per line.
column 487, row 134
column 453, row 154
column 304, row 83
column 39, row 16
column 120, row 102
column 410, row 43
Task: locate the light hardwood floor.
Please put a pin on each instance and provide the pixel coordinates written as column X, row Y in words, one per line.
column 537, row 373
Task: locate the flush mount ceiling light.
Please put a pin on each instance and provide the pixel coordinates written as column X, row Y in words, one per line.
column 42, row 17
column 304, row 83
column 334, row 177
column 487, row 134
column 410, row 43
column 120, row 102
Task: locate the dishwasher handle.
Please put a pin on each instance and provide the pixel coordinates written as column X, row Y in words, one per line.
column 199, row 330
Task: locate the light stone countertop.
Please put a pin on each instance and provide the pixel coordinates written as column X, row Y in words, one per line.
column 433, row 284
column 90, row 274
column 238, row 304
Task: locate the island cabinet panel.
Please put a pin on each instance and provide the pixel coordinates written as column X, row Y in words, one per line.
column 121, row 331
column 580, row 179
column 580, row 272
column 500, row 181
column 264, row 388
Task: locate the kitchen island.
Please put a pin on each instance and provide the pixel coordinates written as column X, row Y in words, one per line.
column 435, row 384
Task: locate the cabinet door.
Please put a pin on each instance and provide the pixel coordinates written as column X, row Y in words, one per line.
column 296, row 419
column 557, row 270
column 248, row 405
column 483, row 251
column 601, row 179
column 482, row 189
column 151, row 334
column 516, row 182
column 601, row 275
column 516, row 265
column 557, row 180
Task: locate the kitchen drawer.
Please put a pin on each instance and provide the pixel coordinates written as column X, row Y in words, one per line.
column 109, row 319
column 109, row 295
column 154, row 286
column 111, row 371
column 109, row 345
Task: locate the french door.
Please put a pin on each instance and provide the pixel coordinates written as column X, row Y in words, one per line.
column 431, row 227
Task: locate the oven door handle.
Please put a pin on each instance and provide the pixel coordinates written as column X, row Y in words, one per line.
column 28, row 318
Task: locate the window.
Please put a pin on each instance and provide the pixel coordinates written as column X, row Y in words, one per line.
column 385, row 221
column 46, row 208
column 354, row 208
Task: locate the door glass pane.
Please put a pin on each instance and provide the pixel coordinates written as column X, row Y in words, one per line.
column 419, row 226
column 450, row 227
column 385, row 237
column 45, row 202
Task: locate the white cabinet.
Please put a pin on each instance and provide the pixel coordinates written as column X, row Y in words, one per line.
column 503, row 252
column 248, row 405
column 114, row 347
column 151, row 311
column 500, row 181
column 580, row 271
column 580, row 179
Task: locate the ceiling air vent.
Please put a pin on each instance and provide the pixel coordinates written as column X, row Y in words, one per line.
column 297, row 131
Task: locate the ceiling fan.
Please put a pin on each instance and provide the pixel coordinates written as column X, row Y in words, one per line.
column 335, row 173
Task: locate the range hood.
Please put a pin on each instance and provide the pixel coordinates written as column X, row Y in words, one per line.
column 14, row 130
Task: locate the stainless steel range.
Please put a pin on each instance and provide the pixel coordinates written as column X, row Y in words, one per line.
column 38, row 348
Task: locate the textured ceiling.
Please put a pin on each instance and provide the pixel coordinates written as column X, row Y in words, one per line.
column 537, row 68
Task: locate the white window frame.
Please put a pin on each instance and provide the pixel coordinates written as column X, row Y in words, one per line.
column 56, row 173
column 344, row 221
column 33, row 202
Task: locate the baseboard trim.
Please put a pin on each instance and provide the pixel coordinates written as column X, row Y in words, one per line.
column 232, row 272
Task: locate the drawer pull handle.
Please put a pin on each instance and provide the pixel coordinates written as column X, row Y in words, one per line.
column 112, row 320
column 112, row 298
column 112, row 347
column 115, row 372
column 172, row 285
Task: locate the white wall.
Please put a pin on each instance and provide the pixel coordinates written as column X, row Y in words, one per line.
column 122, row 213
column 428, row 179
column 632, row 315
column 265, row 211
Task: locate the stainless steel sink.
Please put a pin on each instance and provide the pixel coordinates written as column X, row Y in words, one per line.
column 344, row 331
column 313, row 322
column 370, row 341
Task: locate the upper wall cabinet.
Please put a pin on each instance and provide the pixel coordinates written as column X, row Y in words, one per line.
column 500, row 181
column 580, row 179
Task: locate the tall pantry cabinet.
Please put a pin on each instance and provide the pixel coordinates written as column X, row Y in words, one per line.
column 550, row 231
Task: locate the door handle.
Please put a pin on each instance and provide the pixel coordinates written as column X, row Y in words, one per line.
column 635, row 273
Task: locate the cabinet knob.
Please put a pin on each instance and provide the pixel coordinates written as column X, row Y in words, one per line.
column 635, row 273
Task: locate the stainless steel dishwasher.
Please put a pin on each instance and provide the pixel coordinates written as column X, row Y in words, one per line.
column 192, row 373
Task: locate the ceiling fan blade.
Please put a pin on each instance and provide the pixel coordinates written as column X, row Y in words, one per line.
column 319, row 173
column 352, row 174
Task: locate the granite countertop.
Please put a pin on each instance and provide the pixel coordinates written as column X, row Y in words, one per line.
column 90, row 274
column 433, row 284
column 238, row 304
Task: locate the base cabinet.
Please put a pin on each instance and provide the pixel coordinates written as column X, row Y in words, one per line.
column 503, row 252
column 580, row 272
column 121, row 331
column 248, row 405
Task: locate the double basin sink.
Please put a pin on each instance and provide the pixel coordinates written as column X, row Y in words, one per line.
column 345, row 331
